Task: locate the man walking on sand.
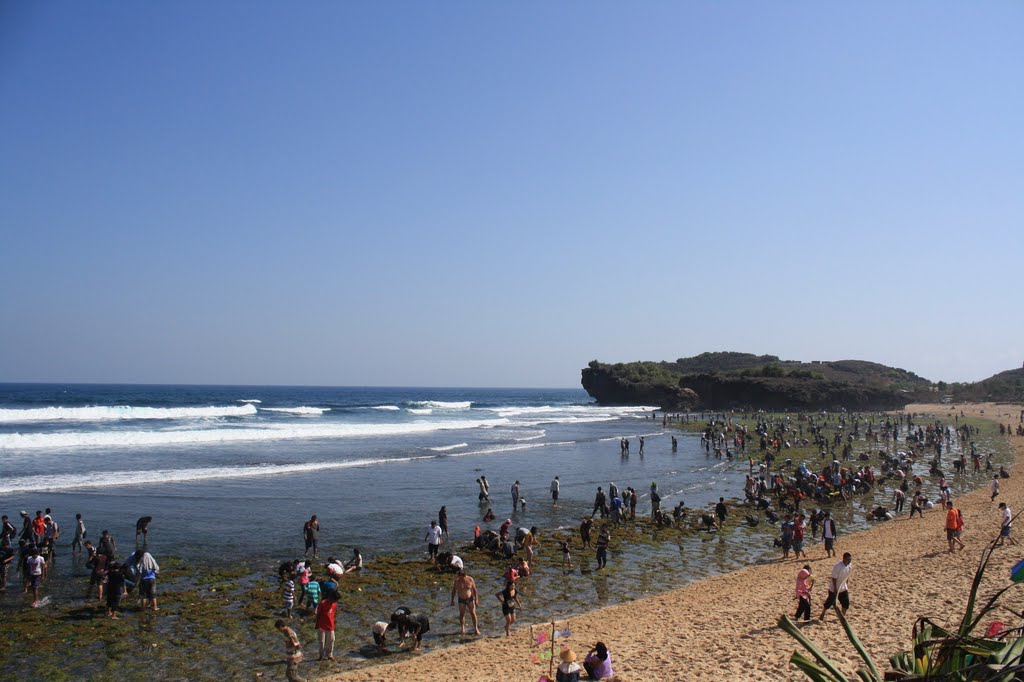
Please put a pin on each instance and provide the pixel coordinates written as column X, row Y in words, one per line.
column 465, row 589
column 1005, row 525
column 837, row 586
column 954, row 526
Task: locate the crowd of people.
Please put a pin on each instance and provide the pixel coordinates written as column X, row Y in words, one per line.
column 35, row 554
column 774, row 488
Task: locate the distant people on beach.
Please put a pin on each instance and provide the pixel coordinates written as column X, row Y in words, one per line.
column 954, row 526
column 1005, row 525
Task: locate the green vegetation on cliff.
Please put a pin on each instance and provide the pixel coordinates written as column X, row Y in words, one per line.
column 724, row 380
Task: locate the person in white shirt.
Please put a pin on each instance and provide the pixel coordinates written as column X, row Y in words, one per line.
column 995, row 487
column 554, row 492
column 837, row 586
column 36, row 566
column 433, row 538
column 1005, row 525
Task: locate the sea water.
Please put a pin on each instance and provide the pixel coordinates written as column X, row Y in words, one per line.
column 233, row 471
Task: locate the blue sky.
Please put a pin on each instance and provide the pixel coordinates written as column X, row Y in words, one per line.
column 493, row 194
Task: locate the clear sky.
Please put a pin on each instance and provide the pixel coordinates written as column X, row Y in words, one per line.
column 494, row 194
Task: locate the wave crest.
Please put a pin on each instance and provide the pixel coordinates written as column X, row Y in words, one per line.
column 121, row 412
column 317, row 411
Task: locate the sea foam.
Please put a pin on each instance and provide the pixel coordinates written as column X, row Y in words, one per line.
column 112, row 412
column 106, row 479
column 71, row 439
column 314, row 411
column 441, row 405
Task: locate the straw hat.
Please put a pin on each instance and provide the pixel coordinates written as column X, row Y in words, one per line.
column 567, row 655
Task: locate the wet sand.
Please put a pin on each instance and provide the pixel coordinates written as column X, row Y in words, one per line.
column 724, row 628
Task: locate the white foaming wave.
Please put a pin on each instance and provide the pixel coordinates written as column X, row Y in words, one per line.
column 525, row 438
column 580, row 410
column 446, row 448
column 442, row 405
column 420, row 410
column 389, row 408
column 254, row 402
column 317, row 411
column 73, row 439
column 539, row 421
column 118, row 412
column 106, row 479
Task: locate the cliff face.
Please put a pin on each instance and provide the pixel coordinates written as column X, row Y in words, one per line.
column 756, row 382
column 608, row 388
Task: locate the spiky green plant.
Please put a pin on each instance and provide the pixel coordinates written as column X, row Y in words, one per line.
column 936, row 654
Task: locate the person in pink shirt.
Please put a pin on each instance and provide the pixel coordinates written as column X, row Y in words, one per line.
column 804, row 583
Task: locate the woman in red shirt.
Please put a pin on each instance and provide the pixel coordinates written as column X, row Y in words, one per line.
column 325, row 613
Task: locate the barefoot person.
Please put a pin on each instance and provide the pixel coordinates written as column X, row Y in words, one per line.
column 509, row 598
column 804, row 584
column 954, row 526
column 1005, row 525
column 837, row 586
column 292, row 651
column 311, row 534
column 35, row 567
column 464, row 588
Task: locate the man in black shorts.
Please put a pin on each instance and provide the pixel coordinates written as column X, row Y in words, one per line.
column 837, row 586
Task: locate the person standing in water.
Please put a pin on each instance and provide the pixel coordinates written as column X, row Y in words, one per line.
column 515, row 495
column 310, row 534
column 76, row 544
column 442, row 520
column 555, row 487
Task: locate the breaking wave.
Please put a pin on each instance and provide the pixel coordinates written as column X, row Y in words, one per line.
column 121, row 412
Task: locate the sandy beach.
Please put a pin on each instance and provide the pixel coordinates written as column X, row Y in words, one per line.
column 724, row 628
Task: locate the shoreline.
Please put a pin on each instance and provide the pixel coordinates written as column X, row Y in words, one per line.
column 724, row 627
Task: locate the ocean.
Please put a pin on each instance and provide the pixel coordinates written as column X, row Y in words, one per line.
column 235, row 470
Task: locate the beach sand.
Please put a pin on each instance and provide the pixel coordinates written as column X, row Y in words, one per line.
column 724, row 628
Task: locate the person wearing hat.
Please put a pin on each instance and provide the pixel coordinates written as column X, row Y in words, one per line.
column 568, row 669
